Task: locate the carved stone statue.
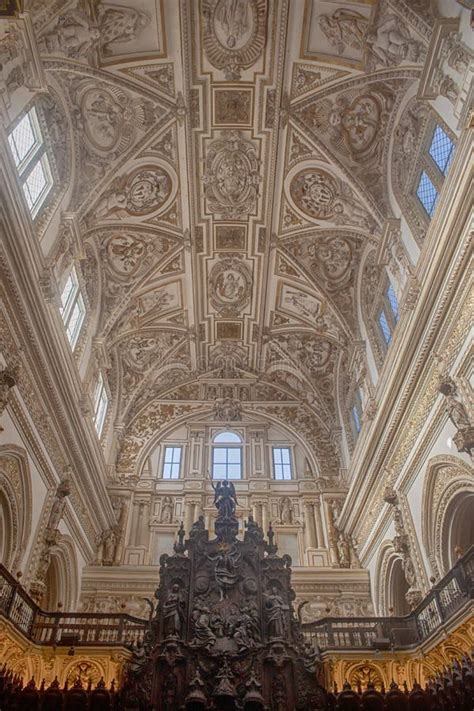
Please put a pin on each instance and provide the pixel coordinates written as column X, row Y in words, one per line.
column 59, row 503
column 455, row 409
column 166, row 510
column 286, row 510
column 109, row 541
column 275, row 609
column 344, row 551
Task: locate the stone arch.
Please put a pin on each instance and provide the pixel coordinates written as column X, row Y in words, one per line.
column 448, row 508
column 62, row 578
column 390, row 583
column 15, row 505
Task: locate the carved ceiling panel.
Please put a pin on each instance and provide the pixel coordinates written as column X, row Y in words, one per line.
column 229, row 169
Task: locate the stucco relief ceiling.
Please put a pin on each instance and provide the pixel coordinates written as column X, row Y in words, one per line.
column 230, row 163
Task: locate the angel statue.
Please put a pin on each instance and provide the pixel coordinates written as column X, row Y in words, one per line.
column 225, row 498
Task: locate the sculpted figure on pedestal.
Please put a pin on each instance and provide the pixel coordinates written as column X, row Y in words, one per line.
column 173, row 612
column 225, row 498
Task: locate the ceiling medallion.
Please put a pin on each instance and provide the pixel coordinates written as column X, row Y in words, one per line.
column 231, row 178
column 230, row 286
column 234, row 34
column 314, row 191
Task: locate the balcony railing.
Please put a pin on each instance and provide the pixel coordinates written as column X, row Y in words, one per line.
column 65, row 628
column 338, row 633
column 440, row 605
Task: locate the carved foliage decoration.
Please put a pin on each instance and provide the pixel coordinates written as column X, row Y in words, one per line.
column 231, row 177
column 234, row 33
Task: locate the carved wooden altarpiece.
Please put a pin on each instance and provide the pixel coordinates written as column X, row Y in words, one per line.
column 224, row 634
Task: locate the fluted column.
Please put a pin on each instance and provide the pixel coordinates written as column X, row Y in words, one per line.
column 319, row 524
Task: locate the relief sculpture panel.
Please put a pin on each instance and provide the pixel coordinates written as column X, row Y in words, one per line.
column 233, row 33
column 321, row 196
column 231, row 177
column 141, row 192
column 230, row 286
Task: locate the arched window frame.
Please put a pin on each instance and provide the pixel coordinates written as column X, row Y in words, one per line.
column 227, row 456
column 29, row 158
column 419, row 121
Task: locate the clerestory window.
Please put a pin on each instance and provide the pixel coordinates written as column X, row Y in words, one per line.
column 435, row 166
column 72, row 308
column 388, row 315
column 227, row 456
column 172, row 462
column 282, row 463
column 29, row 154
column 101, row 402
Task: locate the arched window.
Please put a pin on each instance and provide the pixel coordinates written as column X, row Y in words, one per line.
column 29, row 154
column 227, row 456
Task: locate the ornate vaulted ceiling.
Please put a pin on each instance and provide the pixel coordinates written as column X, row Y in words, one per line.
column 229, row 172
